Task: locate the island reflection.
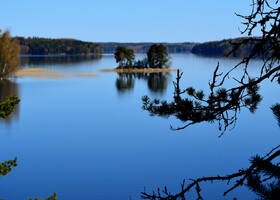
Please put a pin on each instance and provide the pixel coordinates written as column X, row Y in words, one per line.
column 156, row 82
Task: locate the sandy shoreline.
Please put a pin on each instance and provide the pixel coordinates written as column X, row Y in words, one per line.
column 42, row 73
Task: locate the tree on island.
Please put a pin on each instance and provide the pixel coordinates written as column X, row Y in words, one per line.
column 124, row 57
column 158, row 56
column 9, row 52
column 223, row 105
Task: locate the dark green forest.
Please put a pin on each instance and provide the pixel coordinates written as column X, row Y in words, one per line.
column 44, row 46
column 224, row 48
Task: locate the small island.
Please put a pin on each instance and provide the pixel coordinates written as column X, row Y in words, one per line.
column 157, row 60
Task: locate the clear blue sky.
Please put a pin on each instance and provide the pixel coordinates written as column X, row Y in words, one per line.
column 125, row 20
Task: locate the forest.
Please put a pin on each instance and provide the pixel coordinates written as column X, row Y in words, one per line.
column 225, row 47
column 44, row 46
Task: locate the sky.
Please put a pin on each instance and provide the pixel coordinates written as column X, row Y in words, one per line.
column 125, row 20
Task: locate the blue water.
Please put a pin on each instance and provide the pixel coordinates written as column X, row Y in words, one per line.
column 88, row 138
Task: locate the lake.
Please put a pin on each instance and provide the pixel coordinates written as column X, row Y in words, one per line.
column 88, row 137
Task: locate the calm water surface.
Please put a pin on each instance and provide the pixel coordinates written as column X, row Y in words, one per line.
column 88, row 138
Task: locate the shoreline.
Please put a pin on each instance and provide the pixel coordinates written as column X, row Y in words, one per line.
column 45, row 73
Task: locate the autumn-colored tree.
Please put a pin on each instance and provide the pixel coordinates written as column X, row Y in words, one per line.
column 9, row 52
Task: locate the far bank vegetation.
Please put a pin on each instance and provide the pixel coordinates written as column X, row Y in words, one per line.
column 225, row 47
column 45, row 46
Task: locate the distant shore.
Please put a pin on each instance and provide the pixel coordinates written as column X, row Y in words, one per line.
column 144, row 70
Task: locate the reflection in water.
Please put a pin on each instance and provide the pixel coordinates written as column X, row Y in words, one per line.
column 125, row 82
column 9, row 88
column 56, row 60
column 157, row 82
column 123, row 154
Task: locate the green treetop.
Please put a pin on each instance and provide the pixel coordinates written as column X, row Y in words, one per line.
column 124, row 56
column 157, row 56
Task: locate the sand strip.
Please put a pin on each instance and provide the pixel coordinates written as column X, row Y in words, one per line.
column 42, row 73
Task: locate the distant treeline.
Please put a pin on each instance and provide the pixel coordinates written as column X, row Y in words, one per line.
column 110, row 47
column 223, row 48
column 43, row 46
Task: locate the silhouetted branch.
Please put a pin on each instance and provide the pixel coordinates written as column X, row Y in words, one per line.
column 258, row 166
column 217, row 106
column 222, row 105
